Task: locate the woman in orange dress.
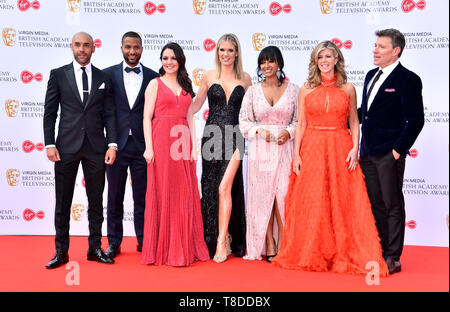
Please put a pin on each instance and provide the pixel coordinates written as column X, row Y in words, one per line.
column 329, row 222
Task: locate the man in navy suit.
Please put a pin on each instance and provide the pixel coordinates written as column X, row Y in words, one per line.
column 129, row 79
column 392, row 117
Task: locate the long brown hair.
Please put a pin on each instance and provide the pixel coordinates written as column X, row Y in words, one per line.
column 182, row 75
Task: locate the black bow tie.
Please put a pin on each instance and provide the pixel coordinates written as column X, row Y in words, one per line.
column 137, row 70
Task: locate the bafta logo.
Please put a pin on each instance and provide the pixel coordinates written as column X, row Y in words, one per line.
column 199, row 6
column 74, row 5
column 12, row 177
column 9, row 36
column 77, row 212
column 326, row 6
column 12, row 108
column 259, row 40
column 197, row 75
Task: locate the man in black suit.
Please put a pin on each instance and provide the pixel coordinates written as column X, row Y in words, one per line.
column 392, row 117
column 129, row 79
column 83, row 93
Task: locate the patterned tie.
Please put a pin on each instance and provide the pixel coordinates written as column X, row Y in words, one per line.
column 373, row 84
column 85, row 85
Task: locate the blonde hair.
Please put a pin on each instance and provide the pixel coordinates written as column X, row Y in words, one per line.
column 238, row 69
column 314, row 77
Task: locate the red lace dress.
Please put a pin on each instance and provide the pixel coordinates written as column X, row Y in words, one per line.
column 329, row 222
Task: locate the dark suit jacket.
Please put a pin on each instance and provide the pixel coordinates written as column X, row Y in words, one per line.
column 77, row 120
column 395, row 117
column 129, row 118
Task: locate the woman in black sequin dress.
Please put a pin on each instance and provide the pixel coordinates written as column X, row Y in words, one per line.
column 223, row 204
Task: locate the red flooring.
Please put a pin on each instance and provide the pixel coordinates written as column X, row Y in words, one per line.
column 425, row 269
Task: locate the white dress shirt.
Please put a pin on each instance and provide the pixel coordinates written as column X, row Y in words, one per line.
column 133, row 83
column 78, row 77
column 386, row 72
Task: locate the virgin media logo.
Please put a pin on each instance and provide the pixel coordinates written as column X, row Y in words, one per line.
column 209, row 45
column 413, row 153
column 409, row 5
column 411, row 224
column 346, row 44
column 29, row 146
column 27, row 77
column 275, row 8
column 97, row 43
column 24, row 5
column 150, row 8
column 206, row 114
column 29, row 214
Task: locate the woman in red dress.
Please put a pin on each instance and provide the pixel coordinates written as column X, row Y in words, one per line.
column 329, row 222
column 173, row 228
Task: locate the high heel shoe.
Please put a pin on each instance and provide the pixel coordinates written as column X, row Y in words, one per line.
column 220, row 258
column 269, row 258
column 228, row 244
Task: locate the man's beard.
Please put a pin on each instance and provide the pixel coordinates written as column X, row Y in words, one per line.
column 127, row 60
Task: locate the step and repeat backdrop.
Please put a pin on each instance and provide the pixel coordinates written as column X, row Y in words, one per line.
column 36, row 37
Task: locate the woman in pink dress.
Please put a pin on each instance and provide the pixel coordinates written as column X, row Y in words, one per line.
column 173, row 228
column 268, row 119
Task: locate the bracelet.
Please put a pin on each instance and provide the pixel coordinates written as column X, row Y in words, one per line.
column 114, row 148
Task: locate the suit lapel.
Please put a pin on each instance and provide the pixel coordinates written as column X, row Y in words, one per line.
column 365, row 99
column 96, row 82
column 121, row 83
column 145, row 81
column 70, row 75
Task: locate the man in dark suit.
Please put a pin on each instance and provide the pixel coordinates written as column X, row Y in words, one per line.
column 392, row 117
column 129, row 79
column 83, row 93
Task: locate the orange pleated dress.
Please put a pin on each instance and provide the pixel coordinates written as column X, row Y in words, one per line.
column 329, row 222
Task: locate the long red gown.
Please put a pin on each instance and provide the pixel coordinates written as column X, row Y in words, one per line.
column 173, row 228
column 329, row 221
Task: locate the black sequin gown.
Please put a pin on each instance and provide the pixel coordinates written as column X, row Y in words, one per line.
column 221, row 138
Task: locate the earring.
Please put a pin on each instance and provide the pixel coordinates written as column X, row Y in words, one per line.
column 278, row 73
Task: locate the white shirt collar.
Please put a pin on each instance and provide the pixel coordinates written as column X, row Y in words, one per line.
column 388, row 69
column 77, row 66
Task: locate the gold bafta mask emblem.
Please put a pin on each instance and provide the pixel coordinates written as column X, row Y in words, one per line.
column 74, row 5
column 9, row 36
column 259, row 40
column 12, row 177
column 326, row 6
column 12, row 108
column 199, row 6
column 77, row 212
column 197, row 75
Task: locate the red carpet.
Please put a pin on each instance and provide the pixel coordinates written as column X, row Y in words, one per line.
column 22, row 261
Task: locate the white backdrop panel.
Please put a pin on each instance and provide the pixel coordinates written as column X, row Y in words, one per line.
column 36, row 37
